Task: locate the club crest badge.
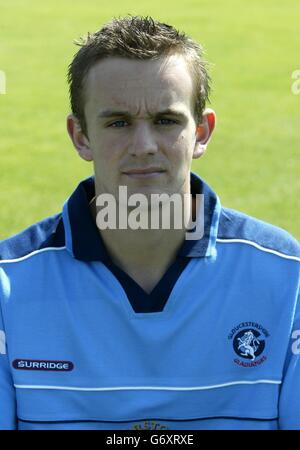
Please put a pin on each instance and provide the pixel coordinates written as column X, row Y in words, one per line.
column 249, row 343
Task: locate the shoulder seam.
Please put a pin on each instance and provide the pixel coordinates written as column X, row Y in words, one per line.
column 259, row 247
column 35, row 252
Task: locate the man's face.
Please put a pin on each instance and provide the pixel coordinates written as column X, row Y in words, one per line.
column 134, row 141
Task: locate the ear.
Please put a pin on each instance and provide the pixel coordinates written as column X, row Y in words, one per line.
column 80, row 141
column 204, row 131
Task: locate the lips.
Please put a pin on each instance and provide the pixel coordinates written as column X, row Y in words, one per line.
column 143, row 171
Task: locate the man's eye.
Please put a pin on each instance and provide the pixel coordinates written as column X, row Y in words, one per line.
column 167, row 121
column 118, row 124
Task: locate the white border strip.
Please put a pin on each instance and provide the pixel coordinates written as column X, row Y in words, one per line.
column 264, row 249
column 148, row 388
column 22, row 258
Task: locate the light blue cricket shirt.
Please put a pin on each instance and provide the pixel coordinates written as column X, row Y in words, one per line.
column 214, row 346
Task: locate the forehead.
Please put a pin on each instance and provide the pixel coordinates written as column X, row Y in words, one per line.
column 139, row 85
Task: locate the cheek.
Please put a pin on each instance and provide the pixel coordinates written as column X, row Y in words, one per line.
column 106, row 151
column 181, row 150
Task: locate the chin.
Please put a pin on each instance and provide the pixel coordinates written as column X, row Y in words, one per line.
column 148, row 190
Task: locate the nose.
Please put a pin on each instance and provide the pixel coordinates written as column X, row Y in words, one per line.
column 143, row 141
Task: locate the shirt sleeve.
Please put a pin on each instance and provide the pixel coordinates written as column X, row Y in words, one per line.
column 8, row 416
column 289, row 400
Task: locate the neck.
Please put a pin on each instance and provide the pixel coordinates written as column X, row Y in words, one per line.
column 144, row 247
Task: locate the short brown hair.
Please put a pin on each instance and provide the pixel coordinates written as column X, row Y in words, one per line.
column 136, row 37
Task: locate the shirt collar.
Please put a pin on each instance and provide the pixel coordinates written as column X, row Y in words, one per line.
column 84, row 241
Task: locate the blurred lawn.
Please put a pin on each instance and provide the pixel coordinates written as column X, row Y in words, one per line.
column 252, row 160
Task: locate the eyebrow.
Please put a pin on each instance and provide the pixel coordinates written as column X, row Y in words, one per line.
column 108, row 113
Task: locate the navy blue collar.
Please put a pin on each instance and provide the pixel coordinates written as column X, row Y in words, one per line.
column 84, row 241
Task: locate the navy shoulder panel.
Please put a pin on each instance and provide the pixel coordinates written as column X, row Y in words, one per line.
column 236, row 225
column 46, row 233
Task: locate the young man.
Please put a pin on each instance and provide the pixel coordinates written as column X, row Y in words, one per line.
column 125, row 328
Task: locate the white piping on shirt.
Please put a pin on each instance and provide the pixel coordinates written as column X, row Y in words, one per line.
column 254, row 244
column 148, row 388
column 223, row 241
column 35, row 252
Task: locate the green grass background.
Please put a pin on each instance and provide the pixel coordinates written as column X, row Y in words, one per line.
column 252, row 160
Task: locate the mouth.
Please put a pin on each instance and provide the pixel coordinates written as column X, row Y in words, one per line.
column 149, row 172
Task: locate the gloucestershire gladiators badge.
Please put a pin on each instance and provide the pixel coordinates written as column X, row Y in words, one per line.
column 249, row 342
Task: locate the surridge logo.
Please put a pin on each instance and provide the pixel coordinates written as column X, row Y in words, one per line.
column 248, row 340
column 48, row 365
